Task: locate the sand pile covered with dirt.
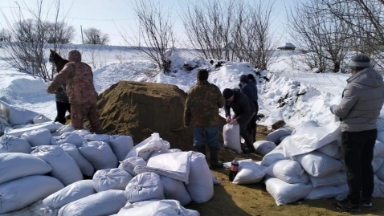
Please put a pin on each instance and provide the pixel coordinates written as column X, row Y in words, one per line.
column 139, row 109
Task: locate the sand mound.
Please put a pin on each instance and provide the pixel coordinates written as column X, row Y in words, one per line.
column 139, row 109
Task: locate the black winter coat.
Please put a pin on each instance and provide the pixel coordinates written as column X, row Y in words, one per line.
column 242, row 106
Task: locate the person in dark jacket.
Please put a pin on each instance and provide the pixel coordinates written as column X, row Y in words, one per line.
column 62, row 104
column 250, row 91
column 360, row 106
column 201, row 112
column 244, row 111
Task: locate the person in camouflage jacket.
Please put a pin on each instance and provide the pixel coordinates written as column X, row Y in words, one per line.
column 201, row 112
column 81, row 92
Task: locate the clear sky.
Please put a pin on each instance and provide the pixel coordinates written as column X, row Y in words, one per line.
column 115, row 16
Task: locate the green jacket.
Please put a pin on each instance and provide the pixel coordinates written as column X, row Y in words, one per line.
column 201, row 107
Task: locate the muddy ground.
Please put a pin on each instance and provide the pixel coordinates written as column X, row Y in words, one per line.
column 239, row 200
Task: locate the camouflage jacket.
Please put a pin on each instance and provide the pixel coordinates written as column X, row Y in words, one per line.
column 201, row 107
column 78, row 78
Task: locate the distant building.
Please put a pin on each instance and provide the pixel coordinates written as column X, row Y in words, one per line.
column 288, row 46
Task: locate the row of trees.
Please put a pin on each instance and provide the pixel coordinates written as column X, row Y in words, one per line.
column 330, row 29
column 53, row 32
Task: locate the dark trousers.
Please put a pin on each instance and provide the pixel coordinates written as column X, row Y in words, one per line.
column 358, row 155
column 62, row 108
column 209, row 135
column 252, row 127
column 245, row 131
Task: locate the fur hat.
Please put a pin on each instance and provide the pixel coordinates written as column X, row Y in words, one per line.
column 202, row 74
column 359, row 62
column 227, row 93
column 74, row 56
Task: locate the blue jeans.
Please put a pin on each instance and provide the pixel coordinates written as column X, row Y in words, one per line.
column 209, row 135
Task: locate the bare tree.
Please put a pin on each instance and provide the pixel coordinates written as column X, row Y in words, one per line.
column 29, row 36
column 95, row 36
column 252, row 34
column 5, row 36
column 59, row 33
column 365, row 20
column 155, row 35
column 208, row 26
column 323, row 34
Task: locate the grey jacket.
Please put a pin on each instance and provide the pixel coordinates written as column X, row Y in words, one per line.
column 362, row 101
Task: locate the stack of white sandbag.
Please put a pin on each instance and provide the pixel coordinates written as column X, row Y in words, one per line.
column 306, row 164
column 23, row 181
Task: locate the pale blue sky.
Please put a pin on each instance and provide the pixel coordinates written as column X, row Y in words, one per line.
column 110, row 16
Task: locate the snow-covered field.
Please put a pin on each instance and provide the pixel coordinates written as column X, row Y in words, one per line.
column 112, row 64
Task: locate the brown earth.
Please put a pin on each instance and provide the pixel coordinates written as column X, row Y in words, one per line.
column 139, row 109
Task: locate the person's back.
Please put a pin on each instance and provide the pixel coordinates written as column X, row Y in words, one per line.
column 205, row 99
column 80, row 83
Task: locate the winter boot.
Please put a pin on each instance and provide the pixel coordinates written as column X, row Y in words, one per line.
column 214, row 158
column 200, row 149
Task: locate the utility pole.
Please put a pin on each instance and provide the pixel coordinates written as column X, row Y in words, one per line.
column 82, row 37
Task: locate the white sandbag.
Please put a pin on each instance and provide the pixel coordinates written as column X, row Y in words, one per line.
column 121, row 145
column 145, row 148
column 249, row 173
column 97, row 137
column 22, row 192
column 14, row 144
column 227, row 165
column 344, row 192
column 71, row 193
column 158, row 208
column 51, row 126
column 272, row 157
column 264, row 147
column 380, row 136
column 64, row 166
column 82, row 132
column 378, row 189
column 17, row 165
column 103, row 203
column 85, row 166
column 283, row 137
column 323, row 192
column 65, row 128
column 40, row 119
column 231, row 134
column 175, row 189
column 380, row 124
column 376, row 163
column 200, row 175
column 144, row 186
column 285, row 193
column 307, row 139
column 17, row 115
column 99, row 154
column 162, row 151
column 173, row 165
column 318, row 164
column 129, row 164
column 335, row 179
column 114, row 178
column 378, row 150
column 289, row 171
column 38, row 137
column 380, row 172
column 68, row 137
column 276, row 135
column 332, row 149
column 175, row 150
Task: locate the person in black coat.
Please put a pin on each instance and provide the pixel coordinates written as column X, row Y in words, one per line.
column 250, row 90
column 244, row 111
